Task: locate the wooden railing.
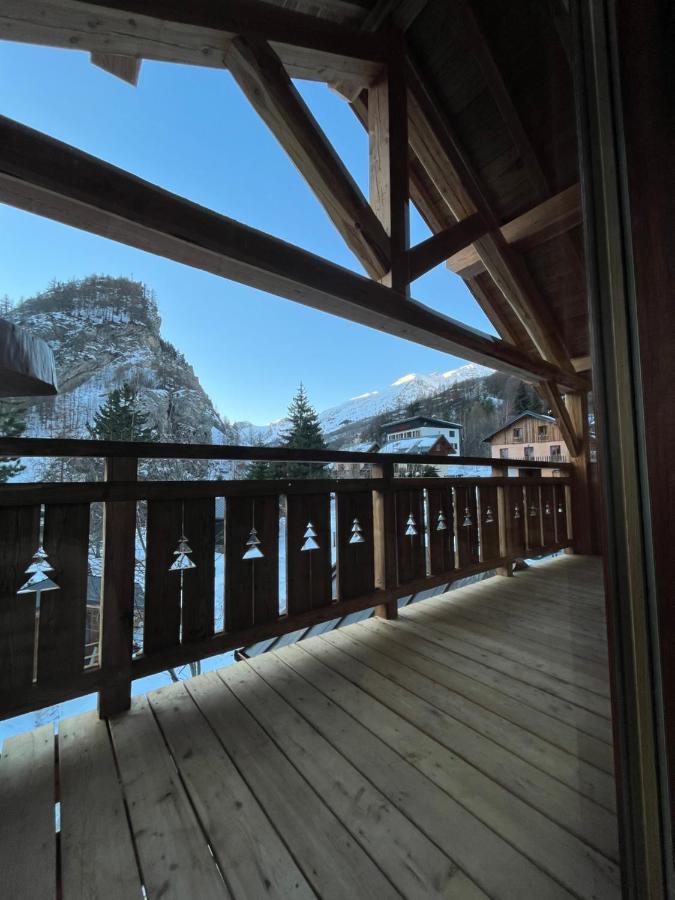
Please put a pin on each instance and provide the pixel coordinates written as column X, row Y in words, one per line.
column 346, row 545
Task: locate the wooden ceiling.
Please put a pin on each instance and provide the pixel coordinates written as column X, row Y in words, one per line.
column 470, row 112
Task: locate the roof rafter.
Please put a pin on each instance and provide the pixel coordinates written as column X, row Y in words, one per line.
column 45, row 176
column 196, row 33
column 449, row 242
column 260, row 74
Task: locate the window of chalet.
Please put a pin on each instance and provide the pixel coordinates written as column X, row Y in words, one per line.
column 504, row 452
column 542, row 431
column 529, row 452
column 555, row 451
column 517, row 434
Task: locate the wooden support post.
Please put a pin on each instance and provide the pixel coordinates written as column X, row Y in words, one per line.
column 581, row 519
column 388, row 135
column 384, row 539
column 117, row 601
column 506, row 570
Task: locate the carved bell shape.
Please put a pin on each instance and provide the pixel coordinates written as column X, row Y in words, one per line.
column 39, row 570
column 310, row 538
column 411, row 529
column 357, row 534
column 489, row 517
column 547, row 509
column 533, row 511
column 560, row 508
column 253, row 550
column 468, row 521
column 516, row 512
column 183, row 546
column 441, row 524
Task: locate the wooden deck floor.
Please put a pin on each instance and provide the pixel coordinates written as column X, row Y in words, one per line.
column 463, row 751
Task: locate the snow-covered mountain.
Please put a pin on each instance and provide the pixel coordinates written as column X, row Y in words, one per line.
column 398, row 395
column 106, row 332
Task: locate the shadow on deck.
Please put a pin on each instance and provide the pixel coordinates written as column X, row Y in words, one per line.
column 461, row 751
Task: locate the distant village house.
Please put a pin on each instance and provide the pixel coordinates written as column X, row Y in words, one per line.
column 532, row 436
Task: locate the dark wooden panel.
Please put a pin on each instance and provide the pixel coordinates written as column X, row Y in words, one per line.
column 308, row 573
column 355, row 562
column 63, row 612
column 515, row 519
column 199, row 526
column 410, row 549
column 561, row 514
column 467, row 535
column 441, row 543
column 548, row 514
column 533, row 523
column 19, row 534
column 489, row 530
column 162, row 588
column 251, row 586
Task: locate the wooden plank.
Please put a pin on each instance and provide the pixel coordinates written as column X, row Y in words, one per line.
column 384, row 538
column 548, row 514
column 466, row 510
column 63, row 612
column 489, row 534
column 372, row 747
column 515, row 519
column 309, row 575
column 98, row 861
column 260, row 74
column 551, row 395
column 581, row 761
column 329, row 852
column 409, row 859
column 27, row 828
column 199, row 524
column 127, row 68
column 45, row 176
column 20, row 526
column 388, row 156
column 489, row 744
column 586, row 537
column 251, row 856
column 172, row 851
column 410, row 548
column 162, row 588
column 544, row 842
column 355, row 561
column 546, row 220
column 200, row 35
column 441, row 543
column 444, row 244
column 561, row 515
column 533, row 518
column 251, row 586
column 117, row 594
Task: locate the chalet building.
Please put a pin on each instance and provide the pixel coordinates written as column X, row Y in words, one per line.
column 531, row 436
column 357, row 469
column 417, row 427
column 508, row 739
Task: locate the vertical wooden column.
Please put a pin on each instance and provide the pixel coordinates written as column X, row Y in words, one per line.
column 384, row 538
column 582, row 524
column 388, row 138
column 117, row 601
column 502, row 522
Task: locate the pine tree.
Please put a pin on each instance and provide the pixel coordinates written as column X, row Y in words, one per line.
column 525, row 399
column 10, row 426
column 121, row 419
column 258, row 470
column 304, row 433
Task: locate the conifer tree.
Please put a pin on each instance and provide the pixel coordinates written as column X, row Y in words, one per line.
column 11, row 425
column 526, row 400
column 304, row 433
column 121, row 419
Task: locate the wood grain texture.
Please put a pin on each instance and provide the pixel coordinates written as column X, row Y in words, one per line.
column 162, row 612
column 411, row 549
column 489, row 535
column 441, row 543
column 199, row 523
column 251, row 586
column 355, row 562
column 533, row 518
column 308, row 572
column 20, row 530
column 467, row 535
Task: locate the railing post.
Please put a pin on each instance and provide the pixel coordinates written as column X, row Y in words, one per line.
column 581, row 522
column 506, row 569
column 384, row 538
column 117, row 599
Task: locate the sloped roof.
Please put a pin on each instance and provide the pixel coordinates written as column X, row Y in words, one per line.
column 413, row 445
column 421, row 420
column 540, row 416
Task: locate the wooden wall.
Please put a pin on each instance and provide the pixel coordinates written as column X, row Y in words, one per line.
column 530, row 433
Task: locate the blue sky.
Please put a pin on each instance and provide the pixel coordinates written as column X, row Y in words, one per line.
column 191, row 131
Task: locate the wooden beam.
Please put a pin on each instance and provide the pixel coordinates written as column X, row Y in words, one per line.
column 260, row 74
column 547, row 220
column 45, row 176
column 125, row 67
column 585, row 535
column 388, row 145
column 557, row 406
column 440, row 246
column 197, row 33
column 402, row 13
column 444, row 159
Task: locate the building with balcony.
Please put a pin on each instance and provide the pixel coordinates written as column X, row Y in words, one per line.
column 418, row 427
column 531, row 436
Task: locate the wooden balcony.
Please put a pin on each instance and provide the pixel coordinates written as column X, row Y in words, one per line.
column 463, row 750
